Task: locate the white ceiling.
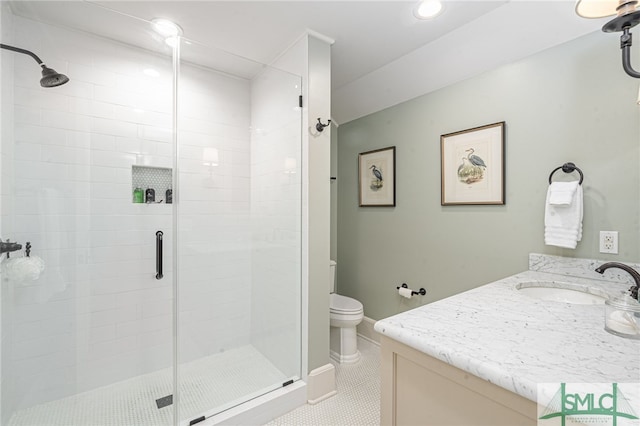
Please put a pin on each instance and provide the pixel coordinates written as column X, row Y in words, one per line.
column 382, row 55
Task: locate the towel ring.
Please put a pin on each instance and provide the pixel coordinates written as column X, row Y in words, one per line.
column 567, row 168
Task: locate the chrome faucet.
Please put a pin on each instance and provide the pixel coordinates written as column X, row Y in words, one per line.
column 635, row 274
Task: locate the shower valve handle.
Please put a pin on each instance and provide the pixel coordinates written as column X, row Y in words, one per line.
column 7, row 247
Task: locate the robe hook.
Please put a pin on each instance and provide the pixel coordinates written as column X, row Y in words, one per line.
column 320, row 127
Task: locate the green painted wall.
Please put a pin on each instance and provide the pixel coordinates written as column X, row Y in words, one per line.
column 569, row 103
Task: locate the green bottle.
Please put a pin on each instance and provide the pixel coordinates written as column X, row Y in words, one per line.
column 138, row 195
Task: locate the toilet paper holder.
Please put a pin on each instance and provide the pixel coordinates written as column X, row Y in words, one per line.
column 421, row 292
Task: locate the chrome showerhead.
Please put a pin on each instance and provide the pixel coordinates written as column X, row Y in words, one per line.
column 50, row 78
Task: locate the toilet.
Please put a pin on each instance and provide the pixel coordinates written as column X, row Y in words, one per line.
column 345, row 314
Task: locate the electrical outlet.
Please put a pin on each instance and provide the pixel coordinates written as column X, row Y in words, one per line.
column 609, row 242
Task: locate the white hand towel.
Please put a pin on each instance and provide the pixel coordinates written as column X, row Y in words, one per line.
column 562, row 193
column 563, row 222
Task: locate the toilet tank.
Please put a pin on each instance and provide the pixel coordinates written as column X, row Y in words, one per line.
column 332, row 276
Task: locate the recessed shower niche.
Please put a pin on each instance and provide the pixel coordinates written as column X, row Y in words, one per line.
column 151, row 185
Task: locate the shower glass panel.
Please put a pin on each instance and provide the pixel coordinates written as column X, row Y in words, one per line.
column 238, row 228
column 90, row 340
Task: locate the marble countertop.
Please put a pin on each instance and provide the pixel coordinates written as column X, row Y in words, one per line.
column 516, row 341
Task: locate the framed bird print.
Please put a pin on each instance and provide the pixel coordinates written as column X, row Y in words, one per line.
column 472, row 166
column 377, row 177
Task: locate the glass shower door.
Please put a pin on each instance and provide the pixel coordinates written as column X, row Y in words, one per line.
column 89, row 338
column 239, row 236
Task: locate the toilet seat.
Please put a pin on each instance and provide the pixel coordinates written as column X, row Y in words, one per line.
column 344, row 305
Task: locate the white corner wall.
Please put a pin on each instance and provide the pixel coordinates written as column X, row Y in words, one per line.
column 319, row 104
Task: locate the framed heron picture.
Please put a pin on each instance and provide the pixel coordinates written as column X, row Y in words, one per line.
column 377, row 177
column 472, row 166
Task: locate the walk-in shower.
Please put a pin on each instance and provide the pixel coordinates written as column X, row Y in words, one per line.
column 100, row 337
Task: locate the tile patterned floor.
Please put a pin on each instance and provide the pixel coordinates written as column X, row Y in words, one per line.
column 209, row 382
column 132, row 402
column 357, row 402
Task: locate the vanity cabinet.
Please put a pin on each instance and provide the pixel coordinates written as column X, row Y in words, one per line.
column 417, row 389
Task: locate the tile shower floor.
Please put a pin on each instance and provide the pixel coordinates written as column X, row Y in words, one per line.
column 207, row 382
column 132, row 402
column 357, row 402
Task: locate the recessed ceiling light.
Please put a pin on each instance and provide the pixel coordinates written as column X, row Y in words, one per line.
column 165, row 27
column 427, row 9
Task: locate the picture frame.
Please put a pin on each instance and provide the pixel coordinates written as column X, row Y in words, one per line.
column 472, row 166
column 377, row 178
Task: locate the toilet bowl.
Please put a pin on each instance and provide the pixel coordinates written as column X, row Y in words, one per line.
column 345, row 314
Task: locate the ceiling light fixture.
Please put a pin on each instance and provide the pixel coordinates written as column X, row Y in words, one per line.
column 427, row 9
column 627, row 17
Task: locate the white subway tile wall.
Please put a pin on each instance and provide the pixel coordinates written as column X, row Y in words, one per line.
column 7, row 152
column 96, row 315
column 213, row 220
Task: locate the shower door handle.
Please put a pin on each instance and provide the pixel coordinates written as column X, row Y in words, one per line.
column 159, row 255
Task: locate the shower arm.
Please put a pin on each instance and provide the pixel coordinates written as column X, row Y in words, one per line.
column 50, row 78
column 23, row 51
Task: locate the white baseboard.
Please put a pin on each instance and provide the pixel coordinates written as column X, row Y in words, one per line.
column 321, row 384
column 366, row 331
column 345, row 359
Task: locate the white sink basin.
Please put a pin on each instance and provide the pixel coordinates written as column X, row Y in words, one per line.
column 562, row 292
